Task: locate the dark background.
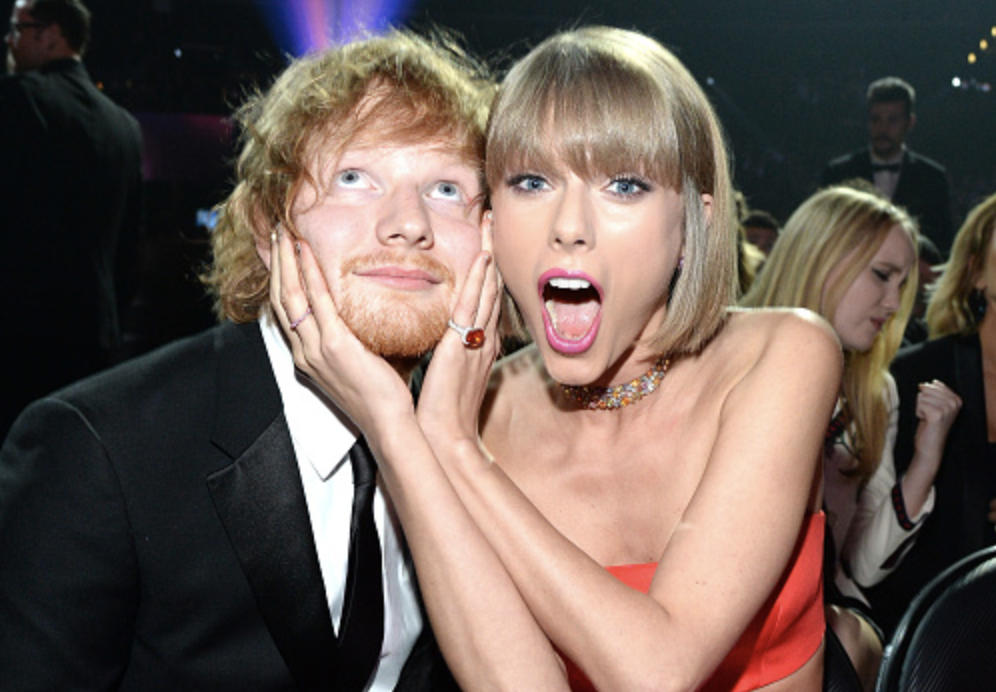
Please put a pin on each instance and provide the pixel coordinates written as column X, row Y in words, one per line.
column 787, row 78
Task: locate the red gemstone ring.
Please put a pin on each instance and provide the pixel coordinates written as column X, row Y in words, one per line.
column 471, row 337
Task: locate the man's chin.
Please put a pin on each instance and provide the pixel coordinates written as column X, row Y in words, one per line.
column 399, row 333
column 885, row 150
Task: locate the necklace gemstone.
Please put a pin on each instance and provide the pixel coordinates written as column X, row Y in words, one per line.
column 621, row 395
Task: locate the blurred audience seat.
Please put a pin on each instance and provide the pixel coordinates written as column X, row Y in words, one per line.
column 947, row 639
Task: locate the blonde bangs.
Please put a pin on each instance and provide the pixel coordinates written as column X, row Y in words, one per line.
column 582, row 109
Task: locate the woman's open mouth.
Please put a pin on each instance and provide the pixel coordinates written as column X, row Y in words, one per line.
column 572, row 310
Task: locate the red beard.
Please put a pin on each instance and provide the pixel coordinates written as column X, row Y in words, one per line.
column 397, row 326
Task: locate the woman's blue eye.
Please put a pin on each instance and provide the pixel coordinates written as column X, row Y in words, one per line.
column 628, row 187
column 528, row 183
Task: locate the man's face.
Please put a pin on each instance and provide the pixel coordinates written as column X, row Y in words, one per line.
column 761, row 237
column 888, row 125
column 27, row 40
column 395, row 229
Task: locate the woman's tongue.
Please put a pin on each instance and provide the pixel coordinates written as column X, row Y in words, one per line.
column 572, row 320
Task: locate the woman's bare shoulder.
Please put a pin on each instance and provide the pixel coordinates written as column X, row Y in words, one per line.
column 774, row 341
column 781, row 328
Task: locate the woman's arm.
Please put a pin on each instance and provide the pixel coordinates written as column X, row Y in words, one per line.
column 726, row 555
column 888, row 514
column 489, row 638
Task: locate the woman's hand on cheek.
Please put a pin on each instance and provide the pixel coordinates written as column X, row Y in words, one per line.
column 457, row 377
column 362, row 384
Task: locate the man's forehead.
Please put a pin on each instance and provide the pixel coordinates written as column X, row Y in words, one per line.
column 449, row 150
column 888, row 107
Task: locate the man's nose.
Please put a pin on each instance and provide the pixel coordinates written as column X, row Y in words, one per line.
column 405, row 219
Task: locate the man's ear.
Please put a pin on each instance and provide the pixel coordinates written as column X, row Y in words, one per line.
column 912, row 122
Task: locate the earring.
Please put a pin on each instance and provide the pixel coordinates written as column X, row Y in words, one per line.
column 681, row 263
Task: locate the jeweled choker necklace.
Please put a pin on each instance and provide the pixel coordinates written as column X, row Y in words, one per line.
column 622, row 395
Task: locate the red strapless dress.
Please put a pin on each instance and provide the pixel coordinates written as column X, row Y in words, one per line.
column 784, row 634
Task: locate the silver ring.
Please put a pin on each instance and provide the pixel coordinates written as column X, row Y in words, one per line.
column 471, row 337
column 299, row 320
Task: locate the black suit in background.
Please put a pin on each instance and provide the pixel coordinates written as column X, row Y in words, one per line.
column 70, row 215
column 958, row 524
column 154, row 535
column 923, row 190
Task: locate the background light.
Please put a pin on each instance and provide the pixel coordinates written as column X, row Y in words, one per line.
column 303, row 26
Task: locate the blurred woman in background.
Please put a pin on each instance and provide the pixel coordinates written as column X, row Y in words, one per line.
column 850, row 255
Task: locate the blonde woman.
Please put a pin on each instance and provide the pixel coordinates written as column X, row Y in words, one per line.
column 850, row 255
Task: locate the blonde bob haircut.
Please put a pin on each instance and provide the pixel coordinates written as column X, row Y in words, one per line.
column 949, row 311
column 606, row 101
column 837, row 232
column 399, row 88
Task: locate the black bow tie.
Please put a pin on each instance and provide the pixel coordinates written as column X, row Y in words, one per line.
column 891, row 167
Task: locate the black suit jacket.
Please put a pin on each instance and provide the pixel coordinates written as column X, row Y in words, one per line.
column 922, row 189
column 70, row 217
column 154, row 534
column 958, row 524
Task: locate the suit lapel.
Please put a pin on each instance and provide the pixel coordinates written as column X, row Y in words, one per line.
column 907, row 180
column 865, row 167
column 260, row 501
column 969, row 384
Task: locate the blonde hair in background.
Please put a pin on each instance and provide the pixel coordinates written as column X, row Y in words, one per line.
column 835, row 225
column 400, row 88
column 607, row 101
column 948, row 311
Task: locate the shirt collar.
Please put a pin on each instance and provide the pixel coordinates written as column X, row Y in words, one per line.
column 322, row 434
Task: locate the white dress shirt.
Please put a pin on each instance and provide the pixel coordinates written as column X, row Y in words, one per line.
column 886, row 181
column 322, row 436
